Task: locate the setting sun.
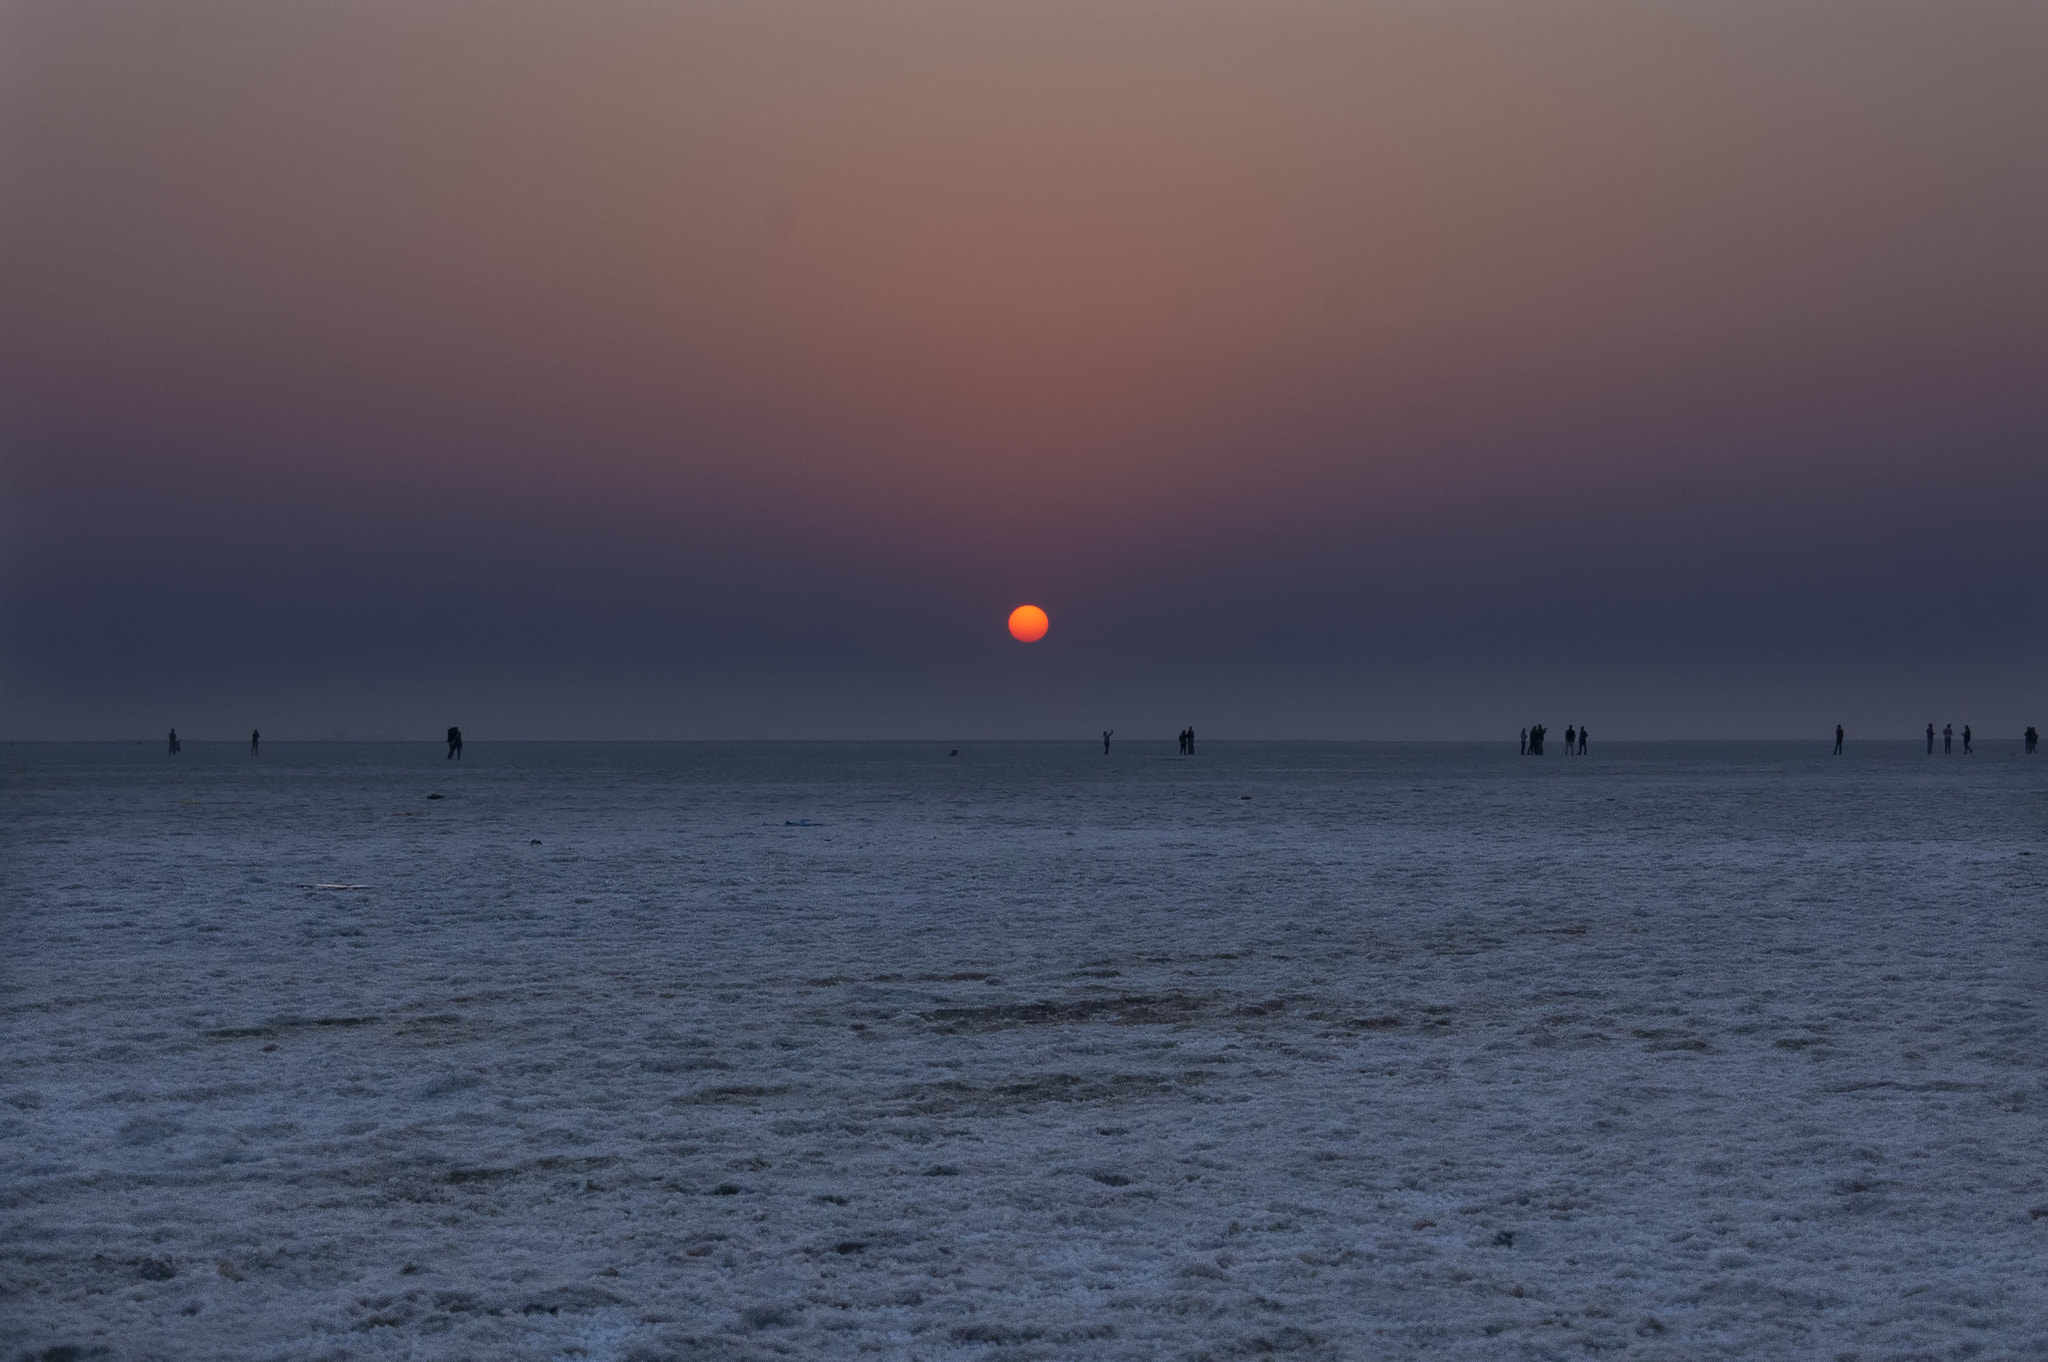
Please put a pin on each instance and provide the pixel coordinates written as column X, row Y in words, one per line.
column 1028, row 624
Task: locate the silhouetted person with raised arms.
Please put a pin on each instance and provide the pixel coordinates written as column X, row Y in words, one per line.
column 255, row 741
column 176, row 746
column 1966, row 741
column 1930, row 740
column 1584, row 733
column 1838, row 740
column 1948, row 740
column 1105, row 740
column 1571, row 739
column 454, row 743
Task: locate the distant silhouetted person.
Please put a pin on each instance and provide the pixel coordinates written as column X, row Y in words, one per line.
column 255, row 741
column 1191, row 740
column 1584, row 733
column 1525, row 742
column 2033, row 740
column 1571, row 739
column 1930, row 740
column 1966, row 740
column 1838, row 740
column 1948, row 740
column 454, row 743
column 176, row 746
column 1105, row 740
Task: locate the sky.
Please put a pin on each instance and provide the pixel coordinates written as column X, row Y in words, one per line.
column 726, row 370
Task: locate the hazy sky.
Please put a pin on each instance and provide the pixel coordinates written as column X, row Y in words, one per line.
column 1324, row 369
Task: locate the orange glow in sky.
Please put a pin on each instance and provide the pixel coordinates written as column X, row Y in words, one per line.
column 1028, row 624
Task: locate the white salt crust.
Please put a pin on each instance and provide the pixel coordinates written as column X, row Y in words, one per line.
column 841, row 1051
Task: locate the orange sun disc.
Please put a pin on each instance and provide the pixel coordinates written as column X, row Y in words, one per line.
column 1028, row 624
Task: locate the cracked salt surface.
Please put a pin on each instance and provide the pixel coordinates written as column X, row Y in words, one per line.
column 846, row 1050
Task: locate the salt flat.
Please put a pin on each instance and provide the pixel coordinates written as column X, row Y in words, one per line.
column 699, row 1051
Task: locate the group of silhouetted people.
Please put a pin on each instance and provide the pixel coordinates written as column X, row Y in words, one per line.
column 1575, row 740
column 1948, row 740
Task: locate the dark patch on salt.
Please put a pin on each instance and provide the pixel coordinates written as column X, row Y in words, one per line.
column 149, row 1130
column 731, row 1093
column 570, row 1298
column 995, row 1333
column 462, row 1175
column 955, row 1095
column 1286, row 1339
column 1129, row 1009
column 283, row 1024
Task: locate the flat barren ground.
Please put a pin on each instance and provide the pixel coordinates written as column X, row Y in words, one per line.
column 842, row 1050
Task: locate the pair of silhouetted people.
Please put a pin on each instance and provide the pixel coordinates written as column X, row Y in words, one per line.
column 454, row 743
column 176, row 746
column 1187, row 741
column 1838, row 740
column 1575, row 740
column 1106, row 735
